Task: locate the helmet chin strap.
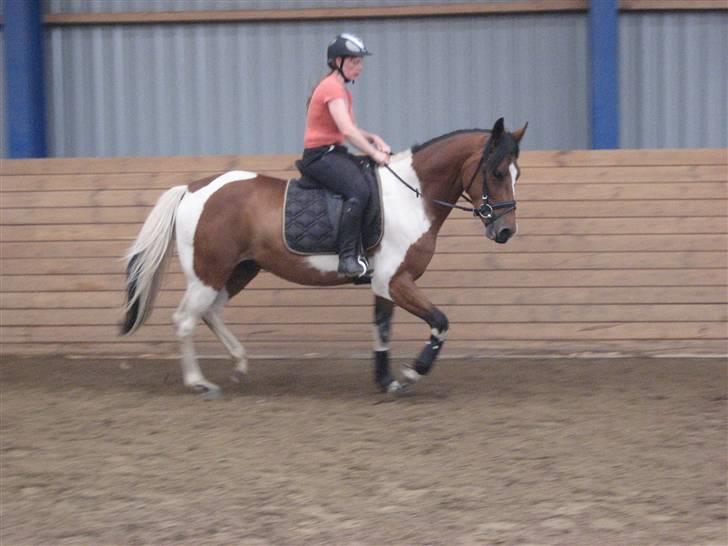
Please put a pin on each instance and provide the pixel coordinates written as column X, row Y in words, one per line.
column 340, row 70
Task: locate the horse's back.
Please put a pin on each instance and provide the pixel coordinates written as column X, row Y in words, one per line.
column 234, row 191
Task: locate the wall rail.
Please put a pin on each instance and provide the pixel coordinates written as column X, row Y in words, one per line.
column 620, row 251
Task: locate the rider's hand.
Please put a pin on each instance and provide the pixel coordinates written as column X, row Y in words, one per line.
column 381, row 145
column 381, row 158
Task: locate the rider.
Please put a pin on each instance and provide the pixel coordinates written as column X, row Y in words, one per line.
column 329, row 123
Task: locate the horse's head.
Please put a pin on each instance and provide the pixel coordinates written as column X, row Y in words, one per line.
column 494, row 192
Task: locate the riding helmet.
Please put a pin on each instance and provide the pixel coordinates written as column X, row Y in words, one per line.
column 345, row 45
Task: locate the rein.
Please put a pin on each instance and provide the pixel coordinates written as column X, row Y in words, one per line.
column 485, row 211
column 418, row 193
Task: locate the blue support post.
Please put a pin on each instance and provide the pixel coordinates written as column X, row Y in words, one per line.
column 603, row 40
column 25, row 104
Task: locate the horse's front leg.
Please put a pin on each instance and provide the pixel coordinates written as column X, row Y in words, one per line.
column 383, row 311
column 408, row 295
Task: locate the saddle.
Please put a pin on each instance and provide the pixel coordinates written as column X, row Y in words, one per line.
column 312, row 214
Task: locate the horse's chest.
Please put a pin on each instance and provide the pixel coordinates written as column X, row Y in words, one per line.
column 407, row 242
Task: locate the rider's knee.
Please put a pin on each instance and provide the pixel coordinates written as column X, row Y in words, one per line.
column 354, row 205
column 364, row 191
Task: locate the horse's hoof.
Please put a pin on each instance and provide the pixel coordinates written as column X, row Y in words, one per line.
column 411, row 376
column 208, row 393
column 238, row 377
column 397, row 389
column 212, row 394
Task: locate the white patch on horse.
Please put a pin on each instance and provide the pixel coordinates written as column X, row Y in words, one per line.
column 326, row 263
column 189, row 211
column 405, row 221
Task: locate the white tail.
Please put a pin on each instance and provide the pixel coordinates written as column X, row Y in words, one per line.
column 147, row 257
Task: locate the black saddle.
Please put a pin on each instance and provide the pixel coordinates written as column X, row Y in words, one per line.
column 311, row 215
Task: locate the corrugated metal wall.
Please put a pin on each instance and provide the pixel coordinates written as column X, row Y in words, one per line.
column 674, row 80
column 116, row 6
column 241, row 87
column 3, row 126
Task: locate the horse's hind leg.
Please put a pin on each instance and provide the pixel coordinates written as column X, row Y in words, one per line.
column 196, row 302
column 213, row 319
column 243, row 273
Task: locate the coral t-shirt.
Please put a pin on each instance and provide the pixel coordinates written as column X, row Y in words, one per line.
column 321, row 128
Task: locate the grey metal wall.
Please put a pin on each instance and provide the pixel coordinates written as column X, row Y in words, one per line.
column 115, row 6
column 674, row 80
column 3, row 129
column 241, row 87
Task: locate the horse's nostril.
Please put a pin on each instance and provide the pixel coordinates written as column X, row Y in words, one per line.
column 503, row 235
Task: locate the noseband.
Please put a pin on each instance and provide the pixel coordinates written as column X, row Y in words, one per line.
column 486, row 211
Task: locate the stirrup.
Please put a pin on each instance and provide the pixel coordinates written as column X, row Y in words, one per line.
column 354, row 267
column 370, row 269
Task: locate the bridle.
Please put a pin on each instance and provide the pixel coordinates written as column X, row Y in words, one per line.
column 486, row 211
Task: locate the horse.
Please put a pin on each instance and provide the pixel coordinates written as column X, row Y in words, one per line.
column 228, row 227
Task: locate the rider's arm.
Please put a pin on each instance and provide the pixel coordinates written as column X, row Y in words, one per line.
column 376, row 140
column 351, row 132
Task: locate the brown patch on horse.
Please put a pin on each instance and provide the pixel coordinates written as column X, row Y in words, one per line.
column 443, row 180
column 243, row 221
column 222, row 236
column 427, row 163
column 242, row 274
column 201, row 183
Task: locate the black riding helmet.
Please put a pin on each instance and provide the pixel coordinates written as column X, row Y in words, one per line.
column 344, row 45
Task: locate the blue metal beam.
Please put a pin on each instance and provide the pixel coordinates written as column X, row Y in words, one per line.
column 25, row 104
column 603, row 40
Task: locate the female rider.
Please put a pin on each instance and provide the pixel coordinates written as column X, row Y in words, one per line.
column 329, row 123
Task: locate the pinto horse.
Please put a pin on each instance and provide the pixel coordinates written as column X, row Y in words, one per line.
column 228, row 228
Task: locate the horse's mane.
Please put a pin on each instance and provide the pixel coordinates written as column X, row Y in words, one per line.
column 417, row 147
column 493, row 154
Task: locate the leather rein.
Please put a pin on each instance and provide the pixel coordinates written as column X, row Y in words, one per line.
column 486, row 211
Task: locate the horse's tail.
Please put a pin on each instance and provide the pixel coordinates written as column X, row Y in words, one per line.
column 147, row 257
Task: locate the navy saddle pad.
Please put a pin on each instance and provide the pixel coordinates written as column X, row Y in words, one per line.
column 311, row 216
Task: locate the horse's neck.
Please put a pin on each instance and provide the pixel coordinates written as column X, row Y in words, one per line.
column 440, row 171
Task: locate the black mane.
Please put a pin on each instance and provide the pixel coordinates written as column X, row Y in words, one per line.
column 493, row 153
column 417, row 147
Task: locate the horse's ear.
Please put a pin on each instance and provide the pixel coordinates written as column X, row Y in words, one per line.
column 498, row 129
column 518, row 134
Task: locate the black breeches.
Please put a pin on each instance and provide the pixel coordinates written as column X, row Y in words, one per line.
column 336, row 171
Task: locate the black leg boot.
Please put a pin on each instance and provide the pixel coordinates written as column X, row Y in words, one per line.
column 351, row 264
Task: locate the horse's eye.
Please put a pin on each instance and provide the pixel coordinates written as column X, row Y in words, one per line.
column 499, row 175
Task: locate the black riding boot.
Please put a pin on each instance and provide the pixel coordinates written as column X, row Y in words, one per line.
column 351, row 263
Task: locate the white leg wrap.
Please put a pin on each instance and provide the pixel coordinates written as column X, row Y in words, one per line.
column 379, row 344
column 411, row 375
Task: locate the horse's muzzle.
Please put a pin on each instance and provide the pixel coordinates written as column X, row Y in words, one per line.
column 499, row 234
column 503, row 235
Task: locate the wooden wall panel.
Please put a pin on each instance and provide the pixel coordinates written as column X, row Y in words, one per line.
column 620, row 252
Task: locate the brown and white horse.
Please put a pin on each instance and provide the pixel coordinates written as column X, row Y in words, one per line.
column 228, row 228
